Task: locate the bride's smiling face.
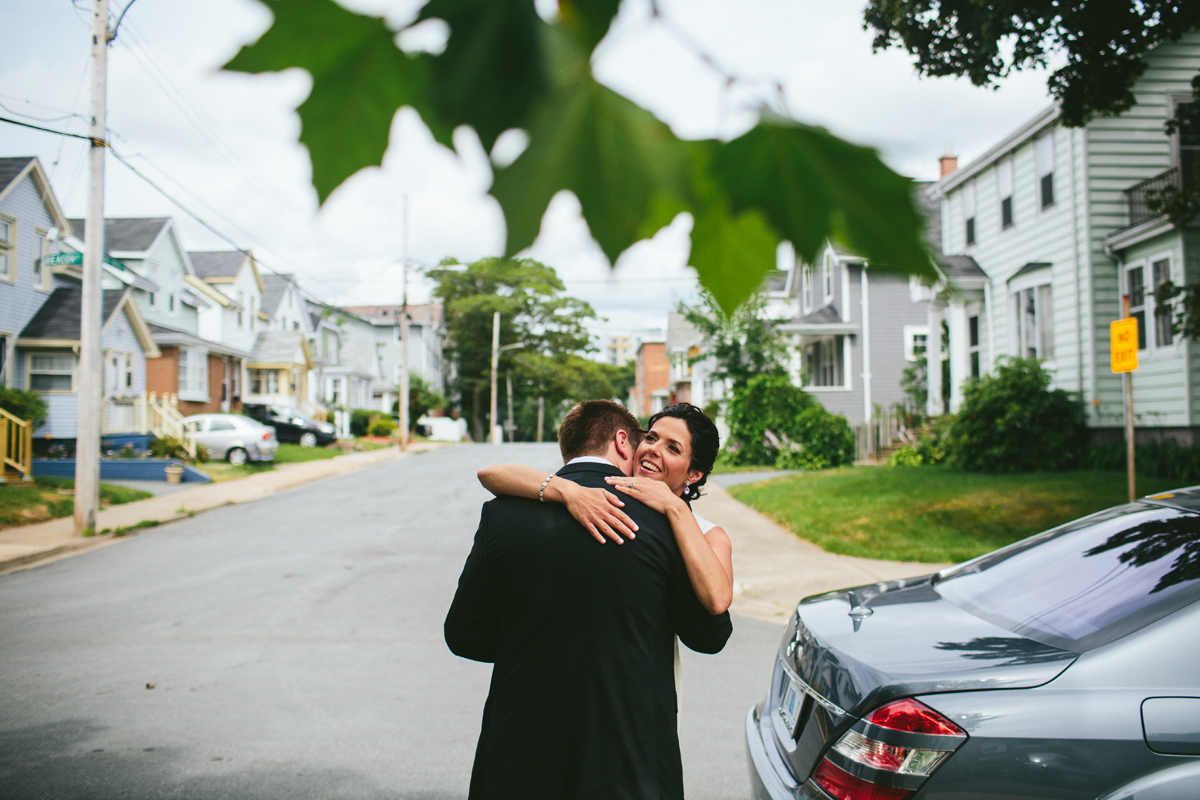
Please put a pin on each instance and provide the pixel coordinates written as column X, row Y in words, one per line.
column 666, row 454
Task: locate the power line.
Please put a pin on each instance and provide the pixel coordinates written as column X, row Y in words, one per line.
column 98, row 142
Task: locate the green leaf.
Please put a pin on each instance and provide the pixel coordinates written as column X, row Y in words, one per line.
column 732, row 253
column 812, row 185
column 587, row 20
column 493, row 68
column 360, row 79
column 615, row 156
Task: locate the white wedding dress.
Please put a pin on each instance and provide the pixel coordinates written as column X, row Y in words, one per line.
column 705, row 527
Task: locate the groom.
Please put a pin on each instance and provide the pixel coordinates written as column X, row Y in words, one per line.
column 582, row 701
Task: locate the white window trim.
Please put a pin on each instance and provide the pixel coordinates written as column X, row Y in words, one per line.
column 806, row 289
column 1011, row 196
column 1037, row 175
column 910, row 334
column 10, row 249
column 121, row 390
column 847, row 376
column 194, row 395
column 45, row 284
column 29, row 354
column 1031, row 281
column 1152, row 350
column 827, row 277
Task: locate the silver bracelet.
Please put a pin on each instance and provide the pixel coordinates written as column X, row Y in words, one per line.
column 542, row 491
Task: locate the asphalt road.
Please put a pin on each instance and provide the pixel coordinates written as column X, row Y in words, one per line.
column 295, row 649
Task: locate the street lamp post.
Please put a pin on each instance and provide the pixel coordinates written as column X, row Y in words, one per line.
column 495, row 432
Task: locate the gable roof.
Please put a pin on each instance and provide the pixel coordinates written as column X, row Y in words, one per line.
column 951, row 267
column 126, row 234
column 13, row 169
column 281, row 347
column 217, row 263
column 59, row 317
column 273, row 288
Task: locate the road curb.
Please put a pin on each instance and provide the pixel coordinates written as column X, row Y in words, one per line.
column 34, row 545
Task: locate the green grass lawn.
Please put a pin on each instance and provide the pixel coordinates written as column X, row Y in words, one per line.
column 25, row 504
column 293, row 453
column 931, row 514
column 224, row 471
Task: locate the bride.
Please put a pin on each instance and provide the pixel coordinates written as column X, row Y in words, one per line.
column 672, row 462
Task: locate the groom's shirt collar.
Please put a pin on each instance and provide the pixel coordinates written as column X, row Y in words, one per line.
column 590, row 460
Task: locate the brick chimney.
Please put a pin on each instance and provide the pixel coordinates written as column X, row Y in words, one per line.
column 949, row 161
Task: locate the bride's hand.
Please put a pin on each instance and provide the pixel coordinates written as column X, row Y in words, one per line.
column 599, row 511
column 655, row 494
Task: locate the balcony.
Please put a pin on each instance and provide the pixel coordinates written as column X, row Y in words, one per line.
column 1144, row 198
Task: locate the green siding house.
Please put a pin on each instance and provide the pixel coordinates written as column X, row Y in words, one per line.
column 1056, row 219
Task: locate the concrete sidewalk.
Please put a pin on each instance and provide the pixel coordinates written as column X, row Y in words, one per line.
column 36, row 544
column 773, row 568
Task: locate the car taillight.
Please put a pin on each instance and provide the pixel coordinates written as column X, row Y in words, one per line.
column 266, row 436
column 892, row 769
column 844, row 786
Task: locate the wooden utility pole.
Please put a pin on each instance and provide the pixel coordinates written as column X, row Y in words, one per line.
column 1129, row 442
column 89, row 379
column 404, row 339
column 541, row 411
column 492, row 427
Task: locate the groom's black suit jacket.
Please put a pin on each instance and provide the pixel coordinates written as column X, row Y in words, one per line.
column 582, row 700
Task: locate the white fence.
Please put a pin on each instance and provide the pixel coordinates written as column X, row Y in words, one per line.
column 882, row 432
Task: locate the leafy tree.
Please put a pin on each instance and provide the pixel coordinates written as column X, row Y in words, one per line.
column 774, row 422
column 505, row 67
column 561, row 380
column 421, row 400
column 533, row 312
column 26, row 404
column 1012, row 421
column 744, row 343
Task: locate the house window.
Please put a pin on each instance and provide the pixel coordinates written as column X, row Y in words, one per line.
column 828, row 277
column 264, row 381
column 968, row 201
column 335, row 391
column 118, row 378
column 252, row 324
column 1043, row 158
column 183, row 370
column 150, row 297
column 41, row 248
column 1135, row 287
column 1164, row 314
column 295, row 325
column 171, row 302
column 1035, row 322
column 973, row 344
column 1187, row 142
column 916, row 341
column 806, row 288
column 52, row 372
column 241, row 309
column 1004, row 181
column 8, row 231
column 824, row 362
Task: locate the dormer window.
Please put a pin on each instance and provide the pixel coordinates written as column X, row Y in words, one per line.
column 806, row 288
column 968, row 202
column 7, row 229
column 827, row 277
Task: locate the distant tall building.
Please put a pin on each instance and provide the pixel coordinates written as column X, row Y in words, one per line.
column 618, row 350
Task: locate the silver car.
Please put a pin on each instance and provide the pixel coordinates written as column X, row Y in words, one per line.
column 233, row 437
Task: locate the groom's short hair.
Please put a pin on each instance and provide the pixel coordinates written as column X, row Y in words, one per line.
column 590, row 426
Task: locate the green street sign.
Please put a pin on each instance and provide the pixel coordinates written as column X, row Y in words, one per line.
column 68, row 259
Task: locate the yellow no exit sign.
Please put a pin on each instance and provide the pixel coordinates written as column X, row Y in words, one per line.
column 1123, row 344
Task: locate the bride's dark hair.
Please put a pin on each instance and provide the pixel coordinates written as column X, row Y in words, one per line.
column 706, row 441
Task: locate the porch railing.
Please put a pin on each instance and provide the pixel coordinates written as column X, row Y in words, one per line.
column 147, row 413
column 884, row 431
column 16, row 445
column 312, row 410
column 1141, row 197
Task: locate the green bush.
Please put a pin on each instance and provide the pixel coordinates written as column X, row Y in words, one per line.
column 1012, row 421
column 1166, row 458
column 383, row 426
column 26, row 404
column 360, row 420
column 169, row 447
column 932, row 446
column 905, row 457
column 766, row 403
column 775, row 423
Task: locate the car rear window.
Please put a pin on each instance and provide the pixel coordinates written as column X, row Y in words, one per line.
column 1086, row 583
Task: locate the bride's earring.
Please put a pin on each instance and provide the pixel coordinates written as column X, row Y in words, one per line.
column 687, row 485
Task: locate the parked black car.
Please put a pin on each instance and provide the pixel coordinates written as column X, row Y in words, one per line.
column 1066, row 665
column 292, row 426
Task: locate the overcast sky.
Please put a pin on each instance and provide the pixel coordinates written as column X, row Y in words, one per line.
column 225, row 145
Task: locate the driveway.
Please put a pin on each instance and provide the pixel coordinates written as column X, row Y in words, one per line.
column 294, row 646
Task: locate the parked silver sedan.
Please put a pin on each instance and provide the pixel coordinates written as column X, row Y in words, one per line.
column 233, row 437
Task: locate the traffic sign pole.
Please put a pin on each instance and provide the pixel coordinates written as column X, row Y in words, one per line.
column 1123, row 345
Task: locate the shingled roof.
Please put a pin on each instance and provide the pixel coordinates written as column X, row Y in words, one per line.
column 10, row 168
column 273, row 288
column 58, row 318
column 957, row 266
column 217, row 263
column 126, row 234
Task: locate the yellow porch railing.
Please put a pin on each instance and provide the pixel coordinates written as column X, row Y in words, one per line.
column 16, row 445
